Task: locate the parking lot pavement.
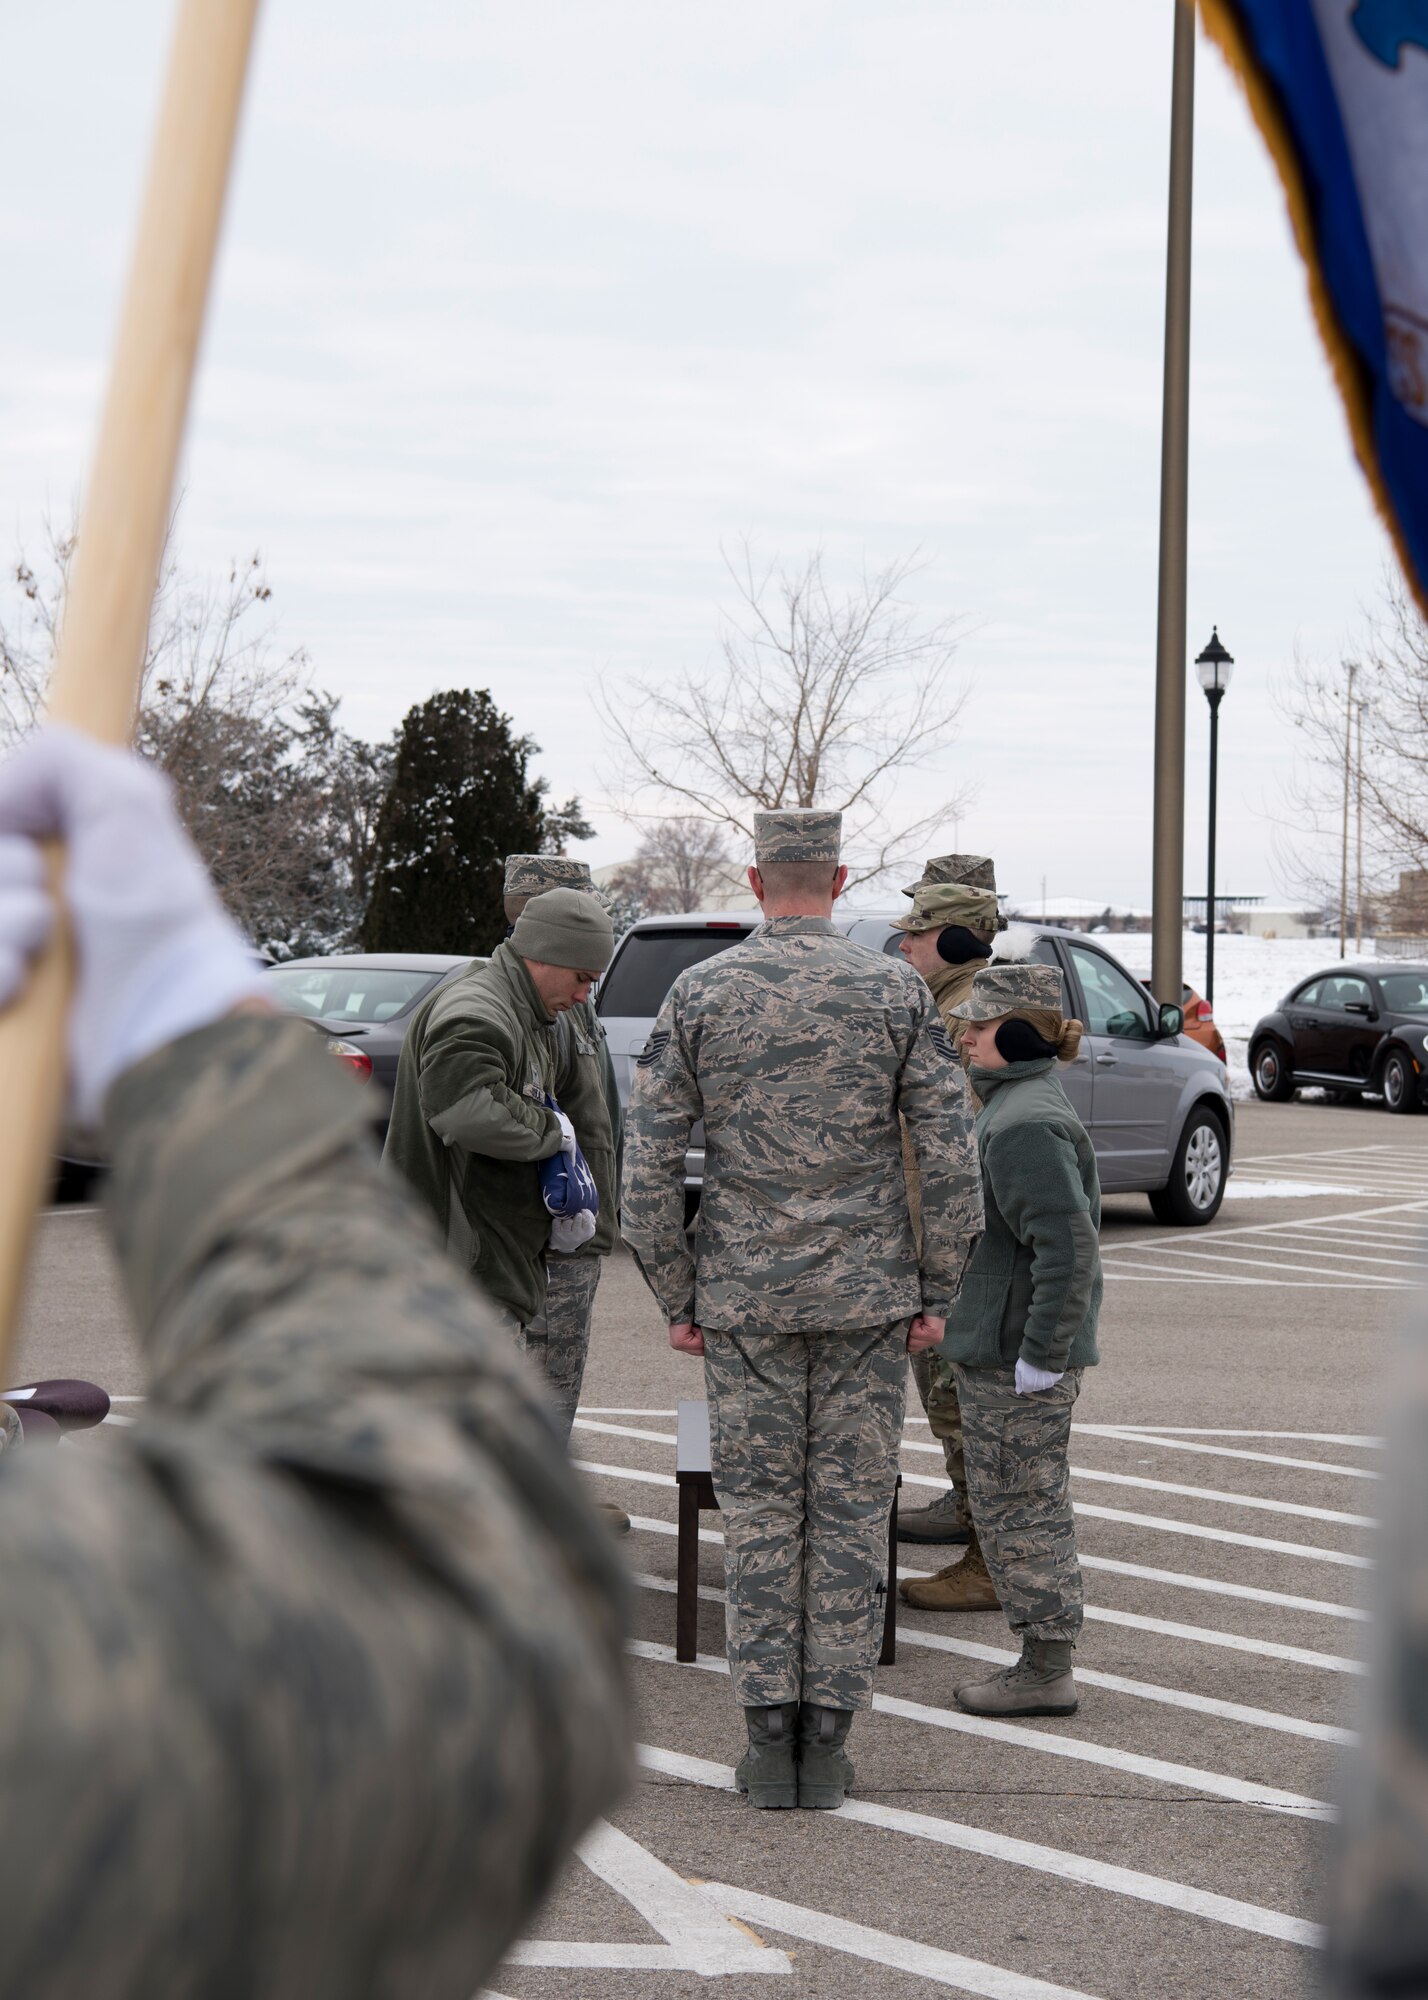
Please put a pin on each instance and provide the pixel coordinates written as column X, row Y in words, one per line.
column 1167, row 1839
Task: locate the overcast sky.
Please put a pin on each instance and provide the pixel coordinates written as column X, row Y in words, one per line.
column 523, row 311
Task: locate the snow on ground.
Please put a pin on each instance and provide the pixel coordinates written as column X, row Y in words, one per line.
column 1252, row 975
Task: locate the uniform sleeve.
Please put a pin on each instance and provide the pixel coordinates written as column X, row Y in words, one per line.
column 467, row 1101
column 1036, row 1185
column 335, row 1597
column 665, row 1105
column 937, row 1116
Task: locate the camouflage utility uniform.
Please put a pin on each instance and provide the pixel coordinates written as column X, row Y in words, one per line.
column 799, row 1049
column 1032, row 1293
column 313, row 1674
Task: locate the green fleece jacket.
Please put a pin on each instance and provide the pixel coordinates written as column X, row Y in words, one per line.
column 1033, row 1285
column 469, row 1124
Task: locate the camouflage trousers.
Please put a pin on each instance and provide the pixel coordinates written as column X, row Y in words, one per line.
column 804, row 1433
column 937, row 1392
column 558, row 1340
column 1019, row 1484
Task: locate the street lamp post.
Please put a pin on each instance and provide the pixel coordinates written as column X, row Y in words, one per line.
column 1213, row 667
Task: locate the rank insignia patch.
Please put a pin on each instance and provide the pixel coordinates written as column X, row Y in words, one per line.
column 941, row 1041
column 653, row 1049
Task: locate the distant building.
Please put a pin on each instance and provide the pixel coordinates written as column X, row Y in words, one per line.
column 1076, row 913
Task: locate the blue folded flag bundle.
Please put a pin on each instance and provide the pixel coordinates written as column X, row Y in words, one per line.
column 1340, row 91
column 566, row 1183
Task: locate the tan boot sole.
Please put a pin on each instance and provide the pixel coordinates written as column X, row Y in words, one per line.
column 1002, row 1714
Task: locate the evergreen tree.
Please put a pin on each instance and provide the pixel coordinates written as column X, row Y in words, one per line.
column 461, row 799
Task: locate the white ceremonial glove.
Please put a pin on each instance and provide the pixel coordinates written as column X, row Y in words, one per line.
column 1029, row 1379
column 568, row 1232
column 567, row 1135
column 157, row 953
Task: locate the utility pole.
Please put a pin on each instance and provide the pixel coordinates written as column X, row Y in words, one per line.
column 1168, row 843
column 1348, row 770
column 1359, row 836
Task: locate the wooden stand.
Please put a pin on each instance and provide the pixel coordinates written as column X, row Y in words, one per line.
column 695, row 1482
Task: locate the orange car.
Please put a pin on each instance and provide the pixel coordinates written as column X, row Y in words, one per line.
column 1200, row 1022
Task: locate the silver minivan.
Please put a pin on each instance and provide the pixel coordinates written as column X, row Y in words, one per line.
column 1156, row 1104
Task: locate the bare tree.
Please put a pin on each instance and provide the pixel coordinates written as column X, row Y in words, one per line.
column 819, row 698
column 678, row 865
column 260, row 769
column 1362, row 737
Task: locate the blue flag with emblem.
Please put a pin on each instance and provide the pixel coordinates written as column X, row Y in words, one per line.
column 1340, row 91
column 566, row 1183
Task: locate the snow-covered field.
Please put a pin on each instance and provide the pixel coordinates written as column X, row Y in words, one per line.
column 1251, row 976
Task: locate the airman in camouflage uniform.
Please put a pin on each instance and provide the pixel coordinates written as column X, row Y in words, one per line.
column 1378, row 1882
column 942, row 899
column 799, row 1049
column 558, row 1338
column 311, row 1675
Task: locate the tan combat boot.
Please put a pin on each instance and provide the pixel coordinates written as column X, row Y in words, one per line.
column 961, row 1586
column 1039, row 1684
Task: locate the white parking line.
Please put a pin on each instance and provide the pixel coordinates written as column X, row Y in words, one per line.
column 1169, row 1628
column 922, row 1961
column 1050, row 1743
column 1212, row 1493
column 1217, row 1495
column 1184, row 1580
column 1054, row 1861
column 1128, row 1434
column 970, row 1649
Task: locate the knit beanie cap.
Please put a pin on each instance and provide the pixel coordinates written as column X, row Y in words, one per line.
column 565, row 927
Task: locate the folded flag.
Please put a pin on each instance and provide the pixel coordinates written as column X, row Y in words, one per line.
column 566, row 1183
column 1340, row 91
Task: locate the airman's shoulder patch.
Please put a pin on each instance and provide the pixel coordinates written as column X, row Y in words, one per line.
column 941, row 1041
column 654, row 1048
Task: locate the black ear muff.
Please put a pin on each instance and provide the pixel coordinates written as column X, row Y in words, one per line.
column 1018, row 1041
column 956, row 945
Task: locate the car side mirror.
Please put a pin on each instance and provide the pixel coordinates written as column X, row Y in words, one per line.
column 1359, row 1007
column 1171, row 1021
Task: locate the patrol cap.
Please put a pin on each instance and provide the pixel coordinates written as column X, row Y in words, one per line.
column 1005, row 989
column 565, row 927
column 797, row 833
column 532, row 874
column 977, row 870
column 937, row 904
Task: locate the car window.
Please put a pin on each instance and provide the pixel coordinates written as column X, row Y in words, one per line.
column 649, row 963
column 1115, row 1005
column 368, row 994
column 1341, row 991
column 1310, row 995
column 1405, row 992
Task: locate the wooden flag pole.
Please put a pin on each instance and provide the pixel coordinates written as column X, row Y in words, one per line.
column 122, row 529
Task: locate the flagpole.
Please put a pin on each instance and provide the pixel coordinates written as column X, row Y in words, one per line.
column 122, row 529
column 1168, row 841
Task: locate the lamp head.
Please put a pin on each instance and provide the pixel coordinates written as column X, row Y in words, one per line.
column 1214, row 666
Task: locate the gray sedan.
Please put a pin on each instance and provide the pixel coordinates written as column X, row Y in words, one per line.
column 1154, row 1102
column 363, row 1002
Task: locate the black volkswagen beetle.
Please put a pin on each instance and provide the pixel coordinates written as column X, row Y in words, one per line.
column 1354, row 1029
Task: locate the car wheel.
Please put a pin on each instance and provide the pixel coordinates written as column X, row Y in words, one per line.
column 1400, row 1083
column 1269, row 1072
column 1192, row 1195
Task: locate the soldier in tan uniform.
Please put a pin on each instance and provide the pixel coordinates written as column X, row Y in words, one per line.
column 804, row 1290
column 311, row 1675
